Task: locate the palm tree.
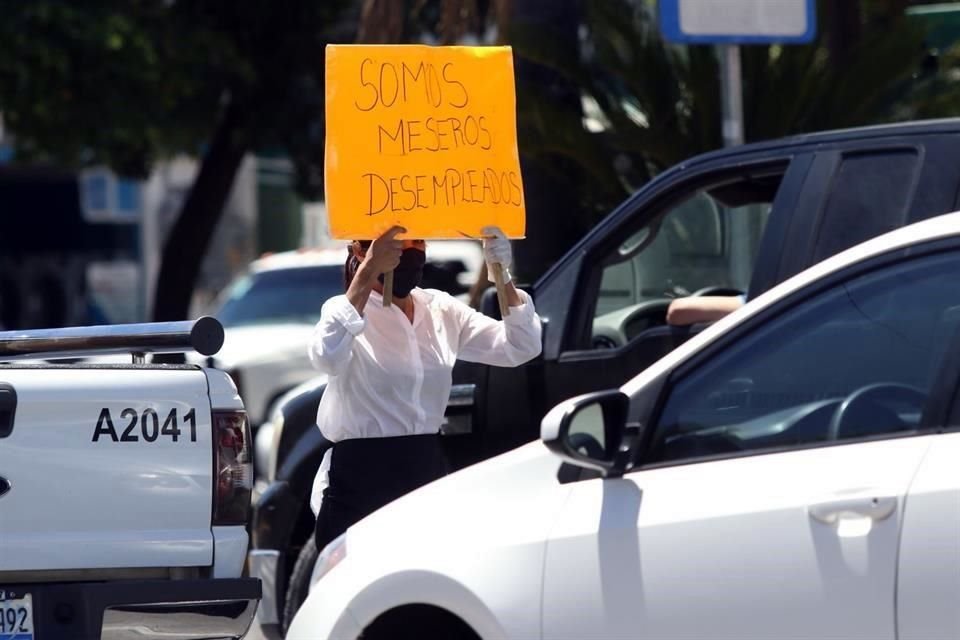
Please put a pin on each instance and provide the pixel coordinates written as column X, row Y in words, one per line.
column 651, row 104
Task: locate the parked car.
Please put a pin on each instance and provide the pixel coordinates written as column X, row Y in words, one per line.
column 124, row 488
column 788, row 472
column 270, row 311
column 738, row 220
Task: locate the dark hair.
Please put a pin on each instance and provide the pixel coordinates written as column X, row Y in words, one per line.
column 350, row 266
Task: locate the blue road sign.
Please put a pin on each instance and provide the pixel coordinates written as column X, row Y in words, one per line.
column 104, row 197
column 738, row 21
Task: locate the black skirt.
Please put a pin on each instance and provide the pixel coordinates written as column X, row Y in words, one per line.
column 367, row 473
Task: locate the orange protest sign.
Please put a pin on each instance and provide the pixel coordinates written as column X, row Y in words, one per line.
column 424, row 137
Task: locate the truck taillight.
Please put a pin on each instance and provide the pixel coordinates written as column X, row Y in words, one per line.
column 233, row 468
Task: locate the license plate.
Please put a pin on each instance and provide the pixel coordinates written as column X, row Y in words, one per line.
column 16, row 615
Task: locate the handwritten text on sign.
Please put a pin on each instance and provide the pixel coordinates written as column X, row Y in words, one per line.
column 424, row 137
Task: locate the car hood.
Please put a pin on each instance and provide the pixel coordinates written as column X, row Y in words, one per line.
column 511, row 499
column 260, row 343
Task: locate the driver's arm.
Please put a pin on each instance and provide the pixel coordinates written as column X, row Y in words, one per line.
column 693, row 310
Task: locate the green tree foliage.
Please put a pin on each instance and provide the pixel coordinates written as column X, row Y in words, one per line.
column 654, row 104
column 603, row 103
column 127, row 82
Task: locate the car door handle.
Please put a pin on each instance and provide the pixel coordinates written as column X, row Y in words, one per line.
column 8, row 408
column 875, row 506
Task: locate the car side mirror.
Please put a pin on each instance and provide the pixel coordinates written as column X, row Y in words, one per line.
column 589, row 431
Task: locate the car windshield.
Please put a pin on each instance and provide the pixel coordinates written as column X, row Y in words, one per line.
column 280, row 296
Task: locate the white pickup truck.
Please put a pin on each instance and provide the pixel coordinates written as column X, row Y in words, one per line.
column 124, row 488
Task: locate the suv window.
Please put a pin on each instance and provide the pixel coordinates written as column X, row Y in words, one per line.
column 856, row 361
column 871, row 196
column 709, row 240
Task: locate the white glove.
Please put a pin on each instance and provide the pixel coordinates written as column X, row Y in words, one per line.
column 496, row 249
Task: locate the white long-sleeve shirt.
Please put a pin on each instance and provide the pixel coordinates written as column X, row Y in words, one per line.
column 391, row 377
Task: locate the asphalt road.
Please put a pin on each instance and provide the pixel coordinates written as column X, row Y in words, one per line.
column 254, row 633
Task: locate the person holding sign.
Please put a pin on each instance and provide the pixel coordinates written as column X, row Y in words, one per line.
column 390, row 373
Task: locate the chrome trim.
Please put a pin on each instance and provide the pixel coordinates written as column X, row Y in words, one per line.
column 462, row 395
column 102, row 574
column 179, row 620
column 263, row 565
column 204, row 335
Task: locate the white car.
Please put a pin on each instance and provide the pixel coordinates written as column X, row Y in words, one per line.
column 269, row 314
column 790, row 472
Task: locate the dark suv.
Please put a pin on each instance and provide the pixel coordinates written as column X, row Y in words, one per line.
column 733, row 221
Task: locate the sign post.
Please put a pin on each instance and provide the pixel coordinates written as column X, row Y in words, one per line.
column 423, row 137
column 732, row 87
column 729, row 24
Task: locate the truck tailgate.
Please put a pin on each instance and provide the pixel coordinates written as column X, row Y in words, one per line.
column 105, row 467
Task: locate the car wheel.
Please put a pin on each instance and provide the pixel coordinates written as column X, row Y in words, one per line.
column 299, row 585
column 418, row 621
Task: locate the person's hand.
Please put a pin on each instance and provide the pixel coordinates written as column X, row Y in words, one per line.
column 496, row 250
column 383, row 255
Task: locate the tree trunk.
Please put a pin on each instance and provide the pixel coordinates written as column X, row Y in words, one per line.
column 189, row 239
column 844, row 29
column 382, row 22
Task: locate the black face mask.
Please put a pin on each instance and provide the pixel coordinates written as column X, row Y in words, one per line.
column 408, row 273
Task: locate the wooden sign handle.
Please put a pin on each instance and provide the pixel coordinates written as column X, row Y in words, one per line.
column 388, row 288
column 501, row 288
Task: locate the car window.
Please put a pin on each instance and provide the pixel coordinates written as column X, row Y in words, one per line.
column 702, row 242
column 870, row 196
column 855, row 361
column 280, row 296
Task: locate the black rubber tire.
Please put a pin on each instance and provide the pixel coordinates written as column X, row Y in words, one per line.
column 299, row 584
column 418, row 622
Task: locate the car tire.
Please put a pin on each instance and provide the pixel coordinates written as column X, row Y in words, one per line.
column 299, row 585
